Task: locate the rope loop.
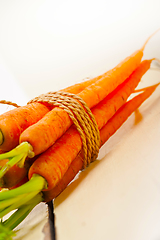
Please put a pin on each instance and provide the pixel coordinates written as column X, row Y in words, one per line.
column 81, row 116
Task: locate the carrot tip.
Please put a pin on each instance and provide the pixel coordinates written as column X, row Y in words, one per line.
column 143, row 47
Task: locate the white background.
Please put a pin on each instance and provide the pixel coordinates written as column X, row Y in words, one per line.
column 48, row 45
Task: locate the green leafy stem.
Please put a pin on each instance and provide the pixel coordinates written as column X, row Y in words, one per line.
column 22, row 200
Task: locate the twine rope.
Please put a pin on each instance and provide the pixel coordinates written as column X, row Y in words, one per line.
column 9, row 103
column 81, row 116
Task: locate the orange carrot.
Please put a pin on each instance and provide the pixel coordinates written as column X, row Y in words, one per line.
column 14, row 122
column 54, row 124
column 60, row 155
column 105, row 133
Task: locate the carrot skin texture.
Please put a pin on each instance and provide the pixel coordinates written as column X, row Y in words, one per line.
column 38, row 166
column 66, row 148
column 92, row 95
column 70, row 174
column 105, row 133
column 44, row 134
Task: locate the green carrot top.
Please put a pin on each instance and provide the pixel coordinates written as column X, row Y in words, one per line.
column 6, row 233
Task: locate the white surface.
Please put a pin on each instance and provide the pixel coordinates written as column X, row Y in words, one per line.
column 47, row 45
column 34, row 225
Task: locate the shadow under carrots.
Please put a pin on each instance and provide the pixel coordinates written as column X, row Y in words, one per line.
column 74, row 184
column 138, row 117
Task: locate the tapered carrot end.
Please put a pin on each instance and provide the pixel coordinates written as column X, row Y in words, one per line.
column 156, row 85
column 152, row 88
column 143, row 47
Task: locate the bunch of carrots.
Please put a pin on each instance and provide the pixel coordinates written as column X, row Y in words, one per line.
column 42, row 150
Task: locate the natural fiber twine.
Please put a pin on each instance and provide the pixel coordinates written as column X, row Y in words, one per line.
column 9, row 103
column 81, row 116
